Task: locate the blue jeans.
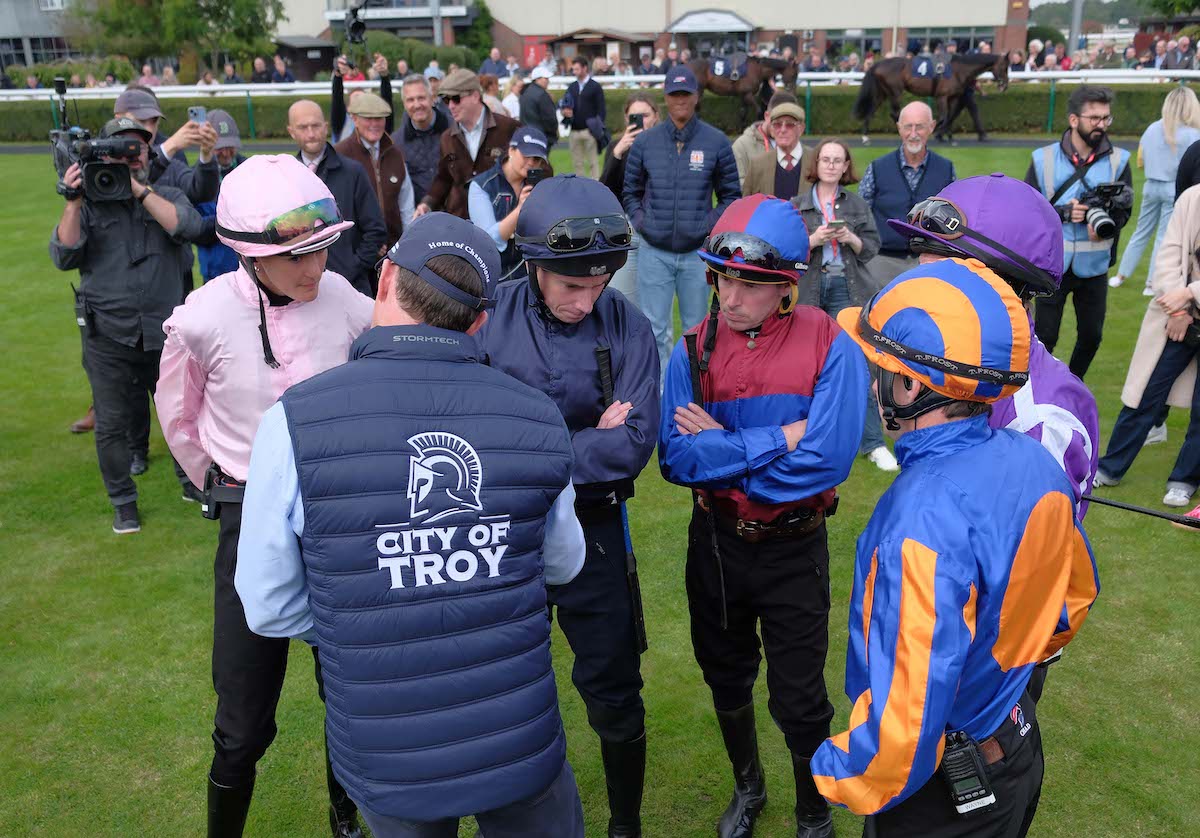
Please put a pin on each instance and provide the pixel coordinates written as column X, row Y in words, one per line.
column 835, row 296
column 1133, row 424
column 661, row 275
column 1158, row 202
column 555, row 813
column 626, row 279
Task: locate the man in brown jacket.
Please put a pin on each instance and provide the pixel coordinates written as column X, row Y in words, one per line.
column 374, row 150
column 470, row 146
column 780, row 171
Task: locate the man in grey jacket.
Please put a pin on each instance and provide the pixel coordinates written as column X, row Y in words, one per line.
column 127, row 255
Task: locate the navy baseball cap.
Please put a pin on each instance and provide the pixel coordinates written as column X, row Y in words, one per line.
column 531, row 142
column 680, row 80
column 442, row 234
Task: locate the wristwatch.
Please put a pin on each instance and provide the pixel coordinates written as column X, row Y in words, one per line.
column 142, row 198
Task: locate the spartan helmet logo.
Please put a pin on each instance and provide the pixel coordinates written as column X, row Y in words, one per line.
column 444, row 478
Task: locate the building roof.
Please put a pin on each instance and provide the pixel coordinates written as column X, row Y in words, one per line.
column 711, row 20
column 599, row 35
column 304, row 42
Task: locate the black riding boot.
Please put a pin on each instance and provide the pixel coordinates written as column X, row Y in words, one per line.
column 812, row 812
column 625, row 775
column 227, row 808
column 343, row 814
column 749, row 784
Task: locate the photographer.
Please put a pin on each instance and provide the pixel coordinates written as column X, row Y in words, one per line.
column 340, row 121
column 495, row 198
column 127, row 253
column 1079, row 175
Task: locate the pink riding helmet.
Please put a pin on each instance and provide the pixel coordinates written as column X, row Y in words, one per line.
column 274, row 204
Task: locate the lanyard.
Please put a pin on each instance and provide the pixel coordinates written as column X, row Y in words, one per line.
column 828, row 216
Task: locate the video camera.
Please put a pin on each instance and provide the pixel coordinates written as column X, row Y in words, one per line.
column 1100, row 201
column 101, row 181
column 356, row 27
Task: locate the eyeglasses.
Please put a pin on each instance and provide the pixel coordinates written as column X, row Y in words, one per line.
column 1099, row 120
column 292, row 224
column 452, row 99
column 574, row 234
column 755, row 252
column 832, row 161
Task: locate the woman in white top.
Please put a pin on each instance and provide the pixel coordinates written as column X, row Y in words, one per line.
column 512, row 96
column 1159, row 151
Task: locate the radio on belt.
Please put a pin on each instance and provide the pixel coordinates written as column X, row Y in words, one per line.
column 965, row 776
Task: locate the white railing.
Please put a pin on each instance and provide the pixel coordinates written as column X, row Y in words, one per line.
column 297, row 89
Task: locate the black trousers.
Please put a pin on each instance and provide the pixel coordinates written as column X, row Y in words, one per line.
column 1091, row 303
column 782, row 589
column 1016, row 781
column 596, row 615
column 247, row 670
column 122, row 378
column 967, row 101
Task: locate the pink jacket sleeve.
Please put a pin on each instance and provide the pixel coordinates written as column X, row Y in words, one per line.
column 180, row 393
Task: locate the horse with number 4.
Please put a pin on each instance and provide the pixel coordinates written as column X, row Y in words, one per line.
column 942, row 78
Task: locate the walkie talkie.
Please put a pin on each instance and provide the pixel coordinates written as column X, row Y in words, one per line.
column 965, row 776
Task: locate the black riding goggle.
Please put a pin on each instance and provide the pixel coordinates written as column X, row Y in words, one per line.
column 572, row 235
column 945, row 221
column 755, row 252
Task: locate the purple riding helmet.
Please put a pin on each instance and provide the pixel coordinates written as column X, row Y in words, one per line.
column 1001, row 221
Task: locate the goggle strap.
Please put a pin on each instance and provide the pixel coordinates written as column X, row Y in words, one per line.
column 988, row 375
column 1022, row 265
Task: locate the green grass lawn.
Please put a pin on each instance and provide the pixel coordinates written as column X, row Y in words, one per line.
column 105, row 641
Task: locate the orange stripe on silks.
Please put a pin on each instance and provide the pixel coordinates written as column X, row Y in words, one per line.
column 1081, row 593
column 868, row 604
column 1037, row 583
column 944, row 302
column 969, row 611
column 858, row 717
column 900, row 726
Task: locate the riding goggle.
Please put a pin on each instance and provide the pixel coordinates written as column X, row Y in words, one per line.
column 302, row 221
column 943, row 220
column 572, row 235
column 755, row 252
column 974, row 372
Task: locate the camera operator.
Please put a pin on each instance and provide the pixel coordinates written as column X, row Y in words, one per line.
column 1079, row 176
column 127, row 253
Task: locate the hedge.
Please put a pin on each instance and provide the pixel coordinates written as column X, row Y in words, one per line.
column 1021, row 110
column 119, row 66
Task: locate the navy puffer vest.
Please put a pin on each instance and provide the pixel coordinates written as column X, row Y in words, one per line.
column 426, row 478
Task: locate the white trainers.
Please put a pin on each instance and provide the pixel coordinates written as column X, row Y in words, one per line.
column 1116, row 281
column 1103, row 479
column 883, row 459
column 1147, row 291
column 1157, row 434
column 1177, row 496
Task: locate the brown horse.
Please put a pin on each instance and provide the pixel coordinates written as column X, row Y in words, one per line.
column 889, row 78
column 752, row 85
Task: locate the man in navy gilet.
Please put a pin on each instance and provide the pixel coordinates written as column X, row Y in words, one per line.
column 546, row 331
column 409, row 509
column 896, row 182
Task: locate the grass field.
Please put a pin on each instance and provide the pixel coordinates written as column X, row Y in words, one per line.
column 105, row 694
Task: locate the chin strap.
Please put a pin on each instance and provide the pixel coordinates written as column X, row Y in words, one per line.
column 710, row 338
column 268, row 354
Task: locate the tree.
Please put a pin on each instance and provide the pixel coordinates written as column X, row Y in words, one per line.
column 241, row 28
column 1171, row 8
column 478, row 36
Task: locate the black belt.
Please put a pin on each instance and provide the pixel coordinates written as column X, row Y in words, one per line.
column 796, row 524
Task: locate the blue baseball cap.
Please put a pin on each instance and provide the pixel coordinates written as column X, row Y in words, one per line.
column 680, row 80
column 531, row 142
column 442, row 234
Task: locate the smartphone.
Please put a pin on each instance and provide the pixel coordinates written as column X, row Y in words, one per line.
column 534, row 176
column 637, row 120
column 198, row 115
column 837, row 222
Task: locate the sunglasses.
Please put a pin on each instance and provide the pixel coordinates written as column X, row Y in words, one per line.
column 754, row 251
column 293, row 224
column 452, row 99
column 574, row 234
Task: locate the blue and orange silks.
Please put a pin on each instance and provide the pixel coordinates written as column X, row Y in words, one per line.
column 971, row 570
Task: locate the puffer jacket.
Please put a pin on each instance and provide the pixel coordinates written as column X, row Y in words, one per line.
column 670, row 179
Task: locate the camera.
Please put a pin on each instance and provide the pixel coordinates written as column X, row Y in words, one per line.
column 356, row 27
column 101, row 181
column 1100, row 201
column 534, row 176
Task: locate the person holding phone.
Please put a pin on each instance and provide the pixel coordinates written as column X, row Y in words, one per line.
column 495, row 198
column 641, row 114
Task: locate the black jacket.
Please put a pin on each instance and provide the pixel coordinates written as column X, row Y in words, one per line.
column 1189, row 169
column 613, row 173
column 586, row 103
column 537, row 110
column 358, row 249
